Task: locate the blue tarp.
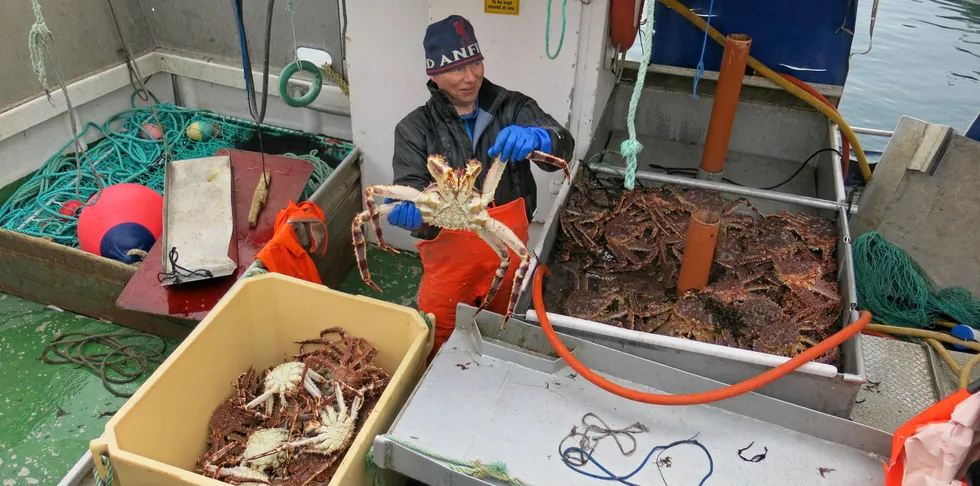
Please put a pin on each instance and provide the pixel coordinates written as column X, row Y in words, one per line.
column 974, row 131
column 811, row 36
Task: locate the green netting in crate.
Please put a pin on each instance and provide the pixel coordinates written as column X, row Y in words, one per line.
column 125, row 153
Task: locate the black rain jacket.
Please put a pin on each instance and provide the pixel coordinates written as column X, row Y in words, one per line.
column 436, row 128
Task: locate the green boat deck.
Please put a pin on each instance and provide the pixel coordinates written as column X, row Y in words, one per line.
column 49, row 413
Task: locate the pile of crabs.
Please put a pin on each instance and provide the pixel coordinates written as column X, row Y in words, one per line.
column 772, row 287
column 294, row 424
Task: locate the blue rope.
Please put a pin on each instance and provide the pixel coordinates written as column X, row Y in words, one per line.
column 547, row 31
column 243, row 43
column 631, row 146
column 610, row 476
column 704, row 44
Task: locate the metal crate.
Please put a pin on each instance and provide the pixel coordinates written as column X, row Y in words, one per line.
column 495, row 394
column 816, row 386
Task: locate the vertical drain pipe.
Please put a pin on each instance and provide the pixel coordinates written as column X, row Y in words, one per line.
column 723, row 109
column 699, row 251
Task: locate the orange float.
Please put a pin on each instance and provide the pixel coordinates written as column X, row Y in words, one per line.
column 624, row 22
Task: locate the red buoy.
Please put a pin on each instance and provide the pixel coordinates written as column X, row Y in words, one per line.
column 125, row 217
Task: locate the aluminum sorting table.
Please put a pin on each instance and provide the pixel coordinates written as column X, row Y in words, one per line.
column 818, row 386
column 503, row 395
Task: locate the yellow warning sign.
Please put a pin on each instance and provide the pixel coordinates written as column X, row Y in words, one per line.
column 507, row 7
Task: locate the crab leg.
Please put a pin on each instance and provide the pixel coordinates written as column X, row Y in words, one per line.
column 391, row 191
column 265, row 397
column 505, row 234
column 501, row 248
column 493, row 178
column 731, row 205
column 360, row 243
column 539, row 156
column 238, row 475
column 309, row 382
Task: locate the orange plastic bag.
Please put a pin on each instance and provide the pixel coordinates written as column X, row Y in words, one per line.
column 939, row 413
column 284, row 253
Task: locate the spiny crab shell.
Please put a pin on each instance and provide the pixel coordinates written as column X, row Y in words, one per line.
column 334, row 430
column 260, row 443
column 284, row 380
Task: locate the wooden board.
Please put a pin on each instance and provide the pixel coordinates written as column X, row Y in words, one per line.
column 193, row 300
column 340, row 202
column 76, row 281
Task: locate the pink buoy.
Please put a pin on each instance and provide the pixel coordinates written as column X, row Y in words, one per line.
column 153, row 129
column 125, row 217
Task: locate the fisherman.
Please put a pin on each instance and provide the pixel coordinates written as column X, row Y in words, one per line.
column 468, row 117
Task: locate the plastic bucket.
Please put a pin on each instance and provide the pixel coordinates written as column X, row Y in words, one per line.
column 158, row 435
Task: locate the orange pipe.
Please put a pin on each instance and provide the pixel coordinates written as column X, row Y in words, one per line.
column 726, row 101
column 845, row 146
column 699, row 250
column 720, row 394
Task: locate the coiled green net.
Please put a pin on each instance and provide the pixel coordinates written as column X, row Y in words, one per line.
column 897, row 291
column 124, row 152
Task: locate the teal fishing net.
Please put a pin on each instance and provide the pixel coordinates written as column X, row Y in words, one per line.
column 897, row 291
column 124, row 153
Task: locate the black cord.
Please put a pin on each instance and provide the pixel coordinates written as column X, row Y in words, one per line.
column 802, row 166
column 253, row 105
column 175, row 273
column 693, row 171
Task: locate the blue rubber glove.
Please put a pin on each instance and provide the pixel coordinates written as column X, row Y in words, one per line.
column 515, row 143
column 405, row 215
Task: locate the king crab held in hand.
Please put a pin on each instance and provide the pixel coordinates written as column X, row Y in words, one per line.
column 452, row 202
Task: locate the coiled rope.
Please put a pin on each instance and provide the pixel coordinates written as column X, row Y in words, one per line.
column 114, row 361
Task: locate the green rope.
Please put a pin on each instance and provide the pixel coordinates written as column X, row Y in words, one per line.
column 125, row 153
column 127, row 360
column 547, row 32
column 108, row 474
column 631, row 146
column 320, row 171
column 374, row 472
column 494, row 470
column 898, row 292
column 425, row 317
column 256, row 268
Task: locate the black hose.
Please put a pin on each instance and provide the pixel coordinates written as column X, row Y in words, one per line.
column 246, row 60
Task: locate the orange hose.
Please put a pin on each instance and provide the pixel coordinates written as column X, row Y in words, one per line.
column 725, row 393
column 844, row 144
